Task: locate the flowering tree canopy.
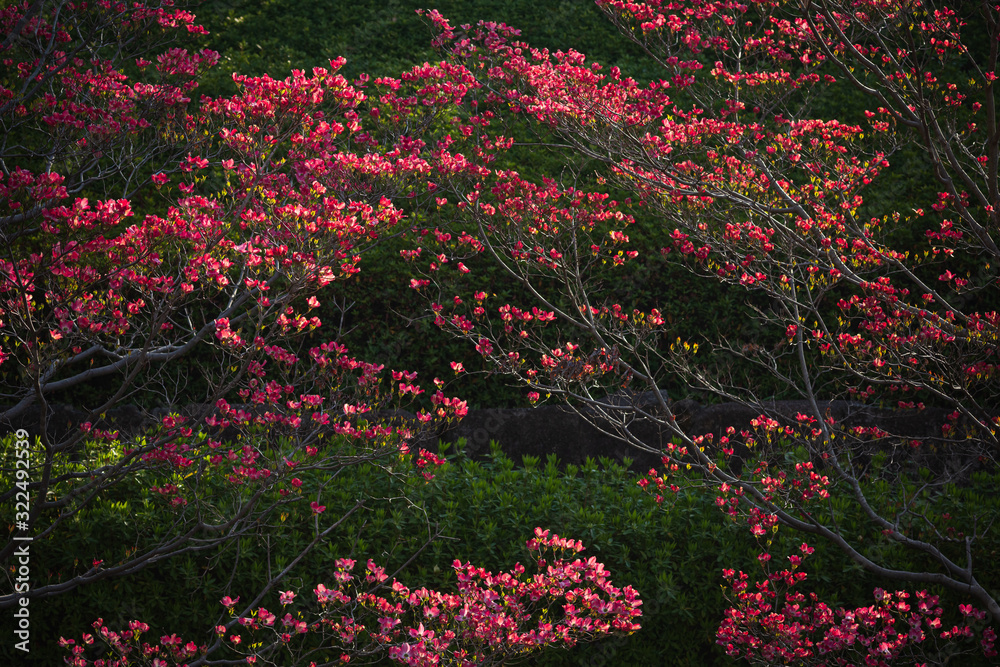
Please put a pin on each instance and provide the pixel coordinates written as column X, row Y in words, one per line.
column 253, row 204
column 757, row 186
column 141, row 227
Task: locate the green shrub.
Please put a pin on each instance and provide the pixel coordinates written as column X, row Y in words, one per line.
column 483, row 511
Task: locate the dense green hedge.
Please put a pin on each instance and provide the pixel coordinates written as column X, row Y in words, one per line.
column 484, row 511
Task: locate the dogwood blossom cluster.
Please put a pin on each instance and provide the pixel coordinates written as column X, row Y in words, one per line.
column 771, row 622
column 490, row 619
